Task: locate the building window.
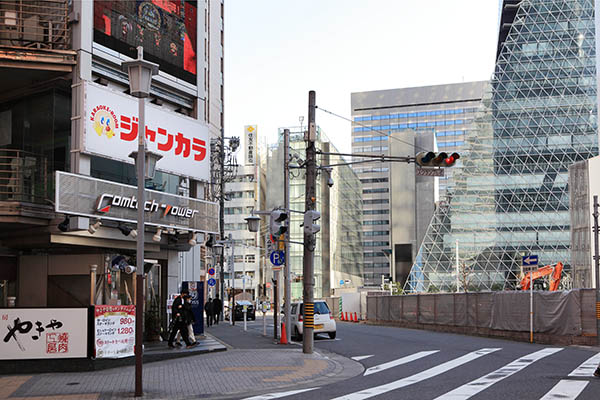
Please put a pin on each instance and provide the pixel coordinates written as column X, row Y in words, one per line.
column 250, row 258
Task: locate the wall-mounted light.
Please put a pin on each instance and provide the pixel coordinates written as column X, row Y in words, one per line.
column 157, row 235
column 127, row 231
column 192, row 240
column 94, row 227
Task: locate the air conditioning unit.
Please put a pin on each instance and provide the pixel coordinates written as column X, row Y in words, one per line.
column 9, row 18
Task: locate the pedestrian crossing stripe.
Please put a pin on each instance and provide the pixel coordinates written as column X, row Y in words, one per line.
column 587, row 368
column 421, row 376
column 400, row 361
column 472, row 388
column 565, row 390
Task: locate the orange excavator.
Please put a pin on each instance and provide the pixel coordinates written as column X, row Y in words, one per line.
column 554, row 271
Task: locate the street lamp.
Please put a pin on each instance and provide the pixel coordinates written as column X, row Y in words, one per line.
column 253, row 223
column 140, row 74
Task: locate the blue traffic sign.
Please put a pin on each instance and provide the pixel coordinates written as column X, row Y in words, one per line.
column 530, row 260
column 211, row 271
column 212, row 282
column 277, row 257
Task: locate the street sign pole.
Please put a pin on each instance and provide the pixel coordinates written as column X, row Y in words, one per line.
column 530, row 261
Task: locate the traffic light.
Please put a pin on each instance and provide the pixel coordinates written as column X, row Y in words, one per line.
column 431, row 159
column 310, row 217
column 276, row 223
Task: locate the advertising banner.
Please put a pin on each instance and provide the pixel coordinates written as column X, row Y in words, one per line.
column 114, row 331
column 196, row 290
column 96, row 198
column 250, row 134
column 29, row 333
column 111, row 131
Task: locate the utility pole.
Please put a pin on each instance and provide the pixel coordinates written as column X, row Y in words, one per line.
column 309, row 239
column 597, row 262
column 232, row 273
column 276, row 302
column 286, row 204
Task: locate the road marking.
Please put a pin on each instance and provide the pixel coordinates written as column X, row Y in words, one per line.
column 358, row 358
column 587, row 368
column 421, row 376
column 400, row 361
column 565, row 390
column 279, row 394
column 472, row 388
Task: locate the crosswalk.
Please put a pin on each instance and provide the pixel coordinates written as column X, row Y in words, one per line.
column 570, row 387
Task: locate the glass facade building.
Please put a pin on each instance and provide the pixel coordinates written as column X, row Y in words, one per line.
column 511, row 195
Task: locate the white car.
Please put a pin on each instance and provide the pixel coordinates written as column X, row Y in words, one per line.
column 324, row 322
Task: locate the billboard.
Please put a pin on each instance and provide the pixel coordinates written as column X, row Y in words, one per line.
column 250, row 135
column 29, row 333
column 110, row 130
column 96, row 198
column 166, row 28
column 114, row 331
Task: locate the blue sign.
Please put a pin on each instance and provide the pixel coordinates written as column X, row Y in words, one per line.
column 277, row 257
column 212, row 282
column 530, row 260
column 211, row 271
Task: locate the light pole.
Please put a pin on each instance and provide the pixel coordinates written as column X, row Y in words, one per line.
column 140, row 78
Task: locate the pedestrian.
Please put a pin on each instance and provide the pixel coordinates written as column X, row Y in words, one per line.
column 597, row 372
column 189, row 317
column 209, row 309
column 178, row 320
column 217, row 309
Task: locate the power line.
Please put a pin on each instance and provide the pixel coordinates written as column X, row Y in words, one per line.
column 371, row 128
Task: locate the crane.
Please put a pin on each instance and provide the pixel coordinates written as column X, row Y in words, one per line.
column 554, row 271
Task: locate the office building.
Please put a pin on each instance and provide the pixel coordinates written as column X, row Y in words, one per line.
column 68, row 125
column 338, row 251
column 444, row 112
column 539, row 116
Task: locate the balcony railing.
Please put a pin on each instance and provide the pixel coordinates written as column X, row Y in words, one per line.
column 24, row 177
column 40, row 24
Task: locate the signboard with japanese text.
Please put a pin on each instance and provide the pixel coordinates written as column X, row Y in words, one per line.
column 33, row 333
column 95, row 198
column 114, row 331
column 250, row 135
column 111, row 131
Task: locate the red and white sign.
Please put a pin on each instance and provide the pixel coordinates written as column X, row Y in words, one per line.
column 111, row 130
column 114, row 331
column 27, row 333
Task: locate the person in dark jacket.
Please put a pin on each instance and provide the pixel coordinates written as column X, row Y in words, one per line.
column 217, row 308
column 178, row 320
column 190, row 320
column 209, row 309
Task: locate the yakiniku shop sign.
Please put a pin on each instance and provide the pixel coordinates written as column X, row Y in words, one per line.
column 110, row 128
column 29, row 333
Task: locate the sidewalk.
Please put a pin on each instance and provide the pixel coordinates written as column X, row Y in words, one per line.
column 253, row 364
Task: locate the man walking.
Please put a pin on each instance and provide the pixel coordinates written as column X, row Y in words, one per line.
column 178, row 319
column 217, row 307
column 209, row 309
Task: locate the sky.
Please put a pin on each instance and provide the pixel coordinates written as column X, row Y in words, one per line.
column 278, row 50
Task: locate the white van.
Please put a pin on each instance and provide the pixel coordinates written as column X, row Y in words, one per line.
column 324, row 322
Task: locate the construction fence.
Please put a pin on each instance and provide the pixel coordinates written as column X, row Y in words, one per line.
column 562, row 317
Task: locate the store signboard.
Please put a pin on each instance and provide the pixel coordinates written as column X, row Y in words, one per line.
column 250, row 135
column 111, row 131
column 114, row 331
column 96, row 198
column 33, row 333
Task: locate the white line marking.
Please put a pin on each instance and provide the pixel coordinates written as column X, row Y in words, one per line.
column 472, row 388
column 358, row 358
column 566, row 390
column 400, row 361
column 279, row 394
column 587, row 368
column 421, row 376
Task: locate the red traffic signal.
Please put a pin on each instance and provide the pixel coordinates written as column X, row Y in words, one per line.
column 431, row 159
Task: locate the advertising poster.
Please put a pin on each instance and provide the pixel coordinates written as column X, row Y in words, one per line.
column 29, row 333
column 114, row 331
column 111, row 130
column 196, row 290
